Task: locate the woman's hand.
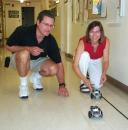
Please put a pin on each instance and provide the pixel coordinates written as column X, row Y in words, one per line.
column 88, row 84
column 103, row 79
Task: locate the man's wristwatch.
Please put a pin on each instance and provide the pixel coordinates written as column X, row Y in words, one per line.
column 61, row 85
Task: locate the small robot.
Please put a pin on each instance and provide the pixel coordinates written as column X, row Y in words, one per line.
column 95, row 112
column 96, row 94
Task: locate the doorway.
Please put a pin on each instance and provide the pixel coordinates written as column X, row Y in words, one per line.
column 27, row 16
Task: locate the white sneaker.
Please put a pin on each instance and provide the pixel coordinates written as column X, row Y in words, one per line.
column 36, row 81
column 84, row 89
column 23, row 91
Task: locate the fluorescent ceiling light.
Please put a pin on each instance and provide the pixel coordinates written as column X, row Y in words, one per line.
column 57, row 1
column 21, row 1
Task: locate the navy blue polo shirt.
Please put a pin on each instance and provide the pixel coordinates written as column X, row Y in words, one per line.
column 26, row 36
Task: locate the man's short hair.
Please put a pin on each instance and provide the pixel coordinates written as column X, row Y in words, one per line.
column 44, row 13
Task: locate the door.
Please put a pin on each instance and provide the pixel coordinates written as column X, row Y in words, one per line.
column 27, row 16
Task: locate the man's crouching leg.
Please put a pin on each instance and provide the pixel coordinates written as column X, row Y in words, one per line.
column 22, row 59
column 49, row 68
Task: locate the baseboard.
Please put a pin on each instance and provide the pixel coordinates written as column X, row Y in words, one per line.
column 110, row 79
column 117, row 84
column 69, row 55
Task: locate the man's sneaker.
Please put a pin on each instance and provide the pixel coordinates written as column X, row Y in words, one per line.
column 36, row 81
column 84, row 88
column 23, row 91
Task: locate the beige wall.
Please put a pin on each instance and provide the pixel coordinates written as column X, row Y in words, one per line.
column 116, row 29
column 56, row 31
column 70, row 31
column 44, row 4
column 78, row 31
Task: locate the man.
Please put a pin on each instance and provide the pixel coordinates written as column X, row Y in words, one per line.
column 35, row 49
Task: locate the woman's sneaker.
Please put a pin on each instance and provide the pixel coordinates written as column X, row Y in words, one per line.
column 23, row 91
column 84, row 88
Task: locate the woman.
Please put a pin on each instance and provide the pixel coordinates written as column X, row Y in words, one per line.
column 92, row 57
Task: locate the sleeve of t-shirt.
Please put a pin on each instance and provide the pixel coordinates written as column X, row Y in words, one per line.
column 15, row 37
column 53, row 50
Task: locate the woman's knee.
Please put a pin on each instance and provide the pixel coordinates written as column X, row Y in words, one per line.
column 84, row 62
column 84, row 58
column 84, row 55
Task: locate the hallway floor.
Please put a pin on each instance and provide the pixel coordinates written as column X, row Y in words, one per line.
column 45, row 110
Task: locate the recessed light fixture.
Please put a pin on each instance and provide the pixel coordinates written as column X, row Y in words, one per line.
column 21, row 1
column 57, row 1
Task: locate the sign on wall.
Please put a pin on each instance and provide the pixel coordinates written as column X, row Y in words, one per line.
column 13, row 14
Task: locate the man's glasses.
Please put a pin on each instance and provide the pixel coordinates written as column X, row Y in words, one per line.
column 48, row 25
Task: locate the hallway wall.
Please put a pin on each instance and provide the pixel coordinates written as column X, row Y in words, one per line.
column 116, row 28
column 57, row 30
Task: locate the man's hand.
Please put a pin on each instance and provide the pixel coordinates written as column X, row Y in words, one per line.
column 35, row 51
column 62, row 91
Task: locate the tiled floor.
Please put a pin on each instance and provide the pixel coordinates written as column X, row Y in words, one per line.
column 47, row 111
